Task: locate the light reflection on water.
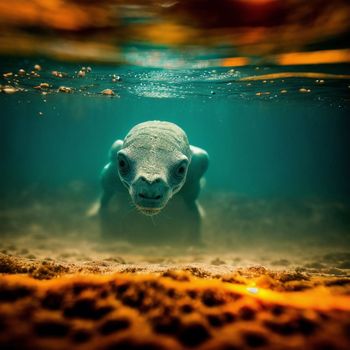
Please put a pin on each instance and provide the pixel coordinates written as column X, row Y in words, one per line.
column 323, row 83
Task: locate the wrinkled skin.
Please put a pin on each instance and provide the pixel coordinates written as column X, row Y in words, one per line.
column 155, row 165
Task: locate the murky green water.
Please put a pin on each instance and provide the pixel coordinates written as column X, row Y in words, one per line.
column 278, row 148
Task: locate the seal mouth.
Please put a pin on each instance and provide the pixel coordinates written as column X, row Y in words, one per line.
column 148, row 211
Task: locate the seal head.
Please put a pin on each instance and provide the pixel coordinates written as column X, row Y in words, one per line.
column 153, row 164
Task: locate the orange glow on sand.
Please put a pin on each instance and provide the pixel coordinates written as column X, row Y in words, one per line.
column 168, row 310
column 319, row 298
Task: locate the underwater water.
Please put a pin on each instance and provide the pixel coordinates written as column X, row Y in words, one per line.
column 278, row 145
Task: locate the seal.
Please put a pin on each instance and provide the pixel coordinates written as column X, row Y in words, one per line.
column 154, row 164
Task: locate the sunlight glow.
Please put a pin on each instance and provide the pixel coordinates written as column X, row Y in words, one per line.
column 315, row 57
column 253, row 290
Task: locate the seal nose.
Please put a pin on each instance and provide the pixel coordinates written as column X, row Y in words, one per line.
column 150, row 188
column 150, row 181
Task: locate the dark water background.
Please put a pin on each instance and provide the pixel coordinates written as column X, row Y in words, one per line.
column 279, row 162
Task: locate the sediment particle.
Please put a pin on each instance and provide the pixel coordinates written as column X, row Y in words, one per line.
column 116, row 78
column 65, row 89
column 108, row 92
column 81, row 74
column 9, row 90
column 43, row 85
column 57, row 74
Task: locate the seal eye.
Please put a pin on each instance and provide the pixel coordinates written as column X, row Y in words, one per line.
column 123, row 165
column 180, row 170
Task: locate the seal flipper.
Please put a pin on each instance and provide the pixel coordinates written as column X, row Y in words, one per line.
column 116, row 147
column 198, row 166
column 190, row 192
column 109, row 177
column 111, row 184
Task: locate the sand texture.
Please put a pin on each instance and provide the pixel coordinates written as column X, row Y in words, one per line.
column 174, row 310
column 277, row 280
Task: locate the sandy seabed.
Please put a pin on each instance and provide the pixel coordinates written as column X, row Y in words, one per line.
column 171, row 301
column 74, row 291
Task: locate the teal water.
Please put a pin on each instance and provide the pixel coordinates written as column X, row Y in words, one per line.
column 264, row 145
